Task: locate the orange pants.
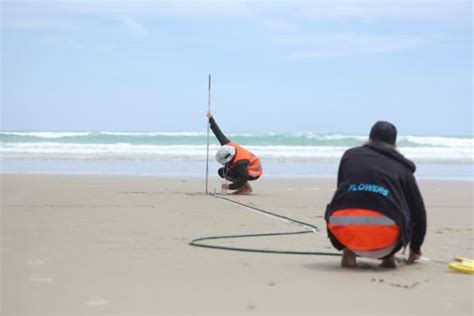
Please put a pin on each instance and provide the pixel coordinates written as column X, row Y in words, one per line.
column 364, row 230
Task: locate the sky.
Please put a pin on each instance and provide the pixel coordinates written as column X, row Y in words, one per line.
column 333, row 66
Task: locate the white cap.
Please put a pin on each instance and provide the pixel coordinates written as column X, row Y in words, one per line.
column 225, row 154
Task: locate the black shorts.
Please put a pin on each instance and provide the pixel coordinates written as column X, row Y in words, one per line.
column 231, row 174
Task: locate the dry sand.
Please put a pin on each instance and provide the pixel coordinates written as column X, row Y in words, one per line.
column 95, row 245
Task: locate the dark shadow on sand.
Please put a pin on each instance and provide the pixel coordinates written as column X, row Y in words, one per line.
column 363, row 265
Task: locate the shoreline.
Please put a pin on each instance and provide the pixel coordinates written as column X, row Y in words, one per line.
column 196, row 169
column 199, row 176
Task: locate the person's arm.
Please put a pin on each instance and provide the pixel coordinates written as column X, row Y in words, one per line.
column 242, row 175
column 223, row 140
column 418, row 217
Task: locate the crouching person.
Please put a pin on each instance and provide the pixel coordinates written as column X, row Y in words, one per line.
column 377, row 208
column 239, row 164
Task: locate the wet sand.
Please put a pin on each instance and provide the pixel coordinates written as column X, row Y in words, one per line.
column 95, row 245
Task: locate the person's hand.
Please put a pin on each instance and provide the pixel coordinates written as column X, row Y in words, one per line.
column 209, row 114
column 225, row 186
column 413, row 256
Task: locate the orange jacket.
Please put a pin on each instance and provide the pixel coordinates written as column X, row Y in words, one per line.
column 254, row 166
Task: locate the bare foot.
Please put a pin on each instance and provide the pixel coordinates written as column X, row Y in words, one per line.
column 246, row 189
column 348, row 259
column 389, row 262
column 242, row 192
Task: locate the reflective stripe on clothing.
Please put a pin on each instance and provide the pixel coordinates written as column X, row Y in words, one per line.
column 361, row 229
column 361, row 220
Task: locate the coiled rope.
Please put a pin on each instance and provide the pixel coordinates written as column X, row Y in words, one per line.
column 198, row 242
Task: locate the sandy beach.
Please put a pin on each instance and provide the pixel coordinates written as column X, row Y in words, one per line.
column 94, row 245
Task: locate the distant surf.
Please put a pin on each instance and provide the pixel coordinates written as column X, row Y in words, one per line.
column 287, row 147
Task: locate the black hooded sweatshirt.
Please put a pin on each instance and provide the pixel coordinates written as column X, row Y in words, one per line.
column 377, row 177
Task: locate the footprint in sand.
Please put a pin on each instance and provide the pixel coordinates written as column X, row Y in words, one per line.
column 37, row 262
column 405, row 286
column 40, row 279
column 97, row 302
column 251, row 307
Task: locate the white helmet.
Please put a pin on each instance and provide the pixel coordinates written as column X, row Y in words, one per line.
column 225, row 154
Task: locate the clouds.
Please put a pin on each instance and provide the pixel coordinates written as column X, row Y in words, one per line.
column 329, row 45
column 299, row 27
column 133, row 26
column 139, row 9
column 436, row 11
column 452, row 11
column 92, row 56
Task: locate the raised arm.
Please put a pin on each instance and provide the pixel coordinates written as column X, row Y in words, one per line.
column 217, row 131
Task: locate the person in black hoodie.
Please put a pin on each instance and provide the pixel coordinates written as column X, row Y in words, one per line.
column 377, row 208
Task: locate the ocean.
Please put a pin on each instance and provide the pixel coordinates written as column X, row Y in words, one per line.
column 184, row 153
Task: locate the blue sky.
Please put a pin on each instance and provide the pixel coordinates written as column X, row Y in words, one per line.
column 277, row 66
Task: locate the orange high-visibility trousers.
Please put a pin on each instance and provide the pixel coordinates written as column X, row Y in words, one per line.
column 364, row 230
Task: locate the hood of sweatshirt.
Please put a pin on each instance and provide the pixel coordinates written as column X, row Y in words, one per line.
column 392, row 153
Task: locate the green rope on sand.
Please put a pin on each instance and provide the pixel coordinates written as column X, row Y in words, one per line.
column 313, row 229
